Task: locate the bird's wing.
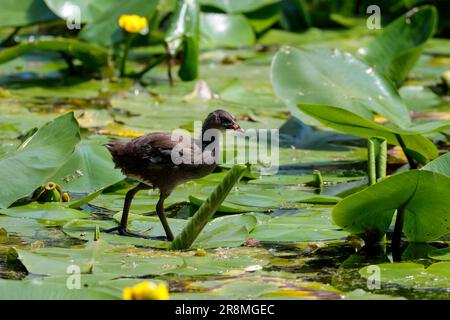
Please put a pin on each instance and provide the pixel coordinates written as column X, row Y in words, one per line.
column 158, row 148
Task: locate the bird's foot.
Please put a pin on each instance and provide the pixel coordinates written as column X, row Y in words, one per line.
column 124, row 232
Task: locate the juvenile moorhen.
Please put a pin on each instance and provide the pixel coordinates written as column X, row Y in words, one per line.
column 148, row 159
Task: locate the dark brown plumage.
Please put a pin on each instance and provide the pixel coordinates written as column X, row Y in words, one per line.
column 149, row 159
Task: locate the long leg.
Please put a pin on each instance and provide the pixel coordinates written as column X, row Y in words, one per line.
column 122, row 228
column 162, row 216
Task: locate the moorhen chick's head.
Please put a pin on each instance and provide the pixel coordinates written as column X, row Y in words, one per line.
column 220, row 120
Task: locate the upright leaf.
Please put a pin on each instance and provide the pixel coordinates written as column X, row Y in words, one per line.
column 423, row 195
column 335, row 78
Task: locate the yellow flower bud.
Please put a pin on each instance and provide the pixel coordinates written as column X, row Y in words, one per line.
column 146, row 291
column 133, row 23
column 65, row 197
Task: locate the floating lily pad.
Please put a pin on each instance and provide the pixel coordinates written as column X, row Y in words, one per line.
column 412, row 275
column 310, row 227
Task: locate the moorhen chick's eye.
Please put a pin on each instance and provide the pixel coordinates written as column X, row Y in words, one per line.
column 148, row 159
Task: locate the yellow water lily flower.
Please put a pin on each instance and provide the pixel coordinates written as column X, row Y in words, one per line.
column 146, row 291
column 133, row 23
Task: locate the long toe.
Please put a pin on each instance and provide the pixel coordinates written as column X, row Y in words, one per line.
column 125, row 232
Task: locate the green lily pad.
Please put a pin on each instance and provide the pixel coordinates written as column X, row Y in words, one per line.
column 440, row 165
column 89, row 169
column 351, row 99
column 322, row 77
column 85, row 230
column 290, row 179
column 37, row 159
column 258, row 286
column 96, row 258
column 51, row 211
column 89, row 10
column 309, row 227
column 422, row 195
column 412, row 274
column 251, row 198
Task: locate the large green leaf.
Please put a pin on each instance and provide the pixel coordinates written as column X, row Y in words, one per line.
column 352, row 123
column 85, row 230
column 262, row 19
column 322, row 87
column 105, row 29
column 98, row 258
column 90, row 10
column 37, row 159
column 226, row 30
column 51, row 211
column 21, row 227
column 233, row 6
column 309, row 227
column 253, row 198
column 395, row 51
column 423, row 195
column 334, row 78
column 229, row 231
column 88, row 169
column 24, row 12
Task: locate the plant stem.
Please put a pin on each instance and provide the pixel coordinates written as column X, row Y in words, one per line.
column 397, row 236
column 206, row 211
column 371, row 163
column 125, row 54
column 412, row 164
column 382, row 159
